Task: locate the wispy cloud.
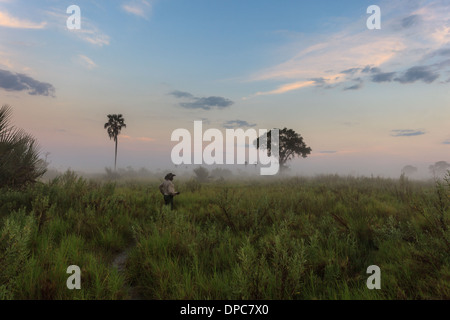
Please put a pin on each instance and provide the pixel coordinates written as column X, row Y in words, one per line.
column 205, row 103
column 89, row 31
column 86, row 62
column 351, row 71
column 287, row 87
column 233, row 124
column 356, row 86
column 8, row 21
column 94, row 37
column 11, row 81
column 145, row 139
column 407, row 133
column 140, row 8
column 411, row 33
column 5, row 60
column 383, row 77
column 411, row 21
column 141, row 139
column 423, row 73
column 181, row 94
column 317, row 62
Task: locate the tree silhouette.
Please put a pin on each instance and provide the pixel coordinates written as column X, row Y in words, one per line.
column 291, row 145
column 19, row 154
column 439, row 168
column 409, row 170
column 114, row 126
column 201, row 174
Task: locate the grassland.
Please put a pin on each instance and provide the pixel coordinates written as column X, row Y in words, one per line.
column 290, row 238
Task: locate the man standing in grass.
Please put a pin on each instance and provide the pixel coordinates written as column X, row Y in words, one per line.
column 167, row 189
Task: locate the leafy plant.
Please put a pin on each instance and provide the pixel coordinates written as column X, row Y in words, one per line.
column 20, row 163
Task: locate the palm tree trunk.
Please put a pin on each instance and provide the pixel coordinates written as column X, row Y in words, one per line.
column 115, row 159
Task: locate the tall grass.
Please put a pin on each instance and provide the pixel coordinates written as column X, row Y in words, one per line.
column 293, row 238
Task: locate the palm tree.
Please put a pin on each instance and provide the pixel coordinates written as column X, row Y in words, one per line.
column 114, row 125
column 19, row 154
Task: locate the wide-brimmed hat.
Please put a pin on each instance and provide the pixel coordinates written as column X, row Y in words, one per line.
column 169, row 175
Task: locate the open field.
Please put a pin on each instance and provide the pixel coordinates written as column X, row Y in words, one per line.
column 291, row 238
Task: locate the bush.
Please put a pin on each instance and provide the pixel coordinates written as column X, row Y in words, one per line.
column 201, row 174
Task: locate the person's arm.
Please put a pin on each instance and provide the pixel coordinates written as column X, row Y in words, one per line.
column 161, row 189
column 172, row 190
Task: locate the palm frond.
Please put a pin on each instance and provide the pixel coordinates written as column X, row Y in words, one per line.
column 19, row 154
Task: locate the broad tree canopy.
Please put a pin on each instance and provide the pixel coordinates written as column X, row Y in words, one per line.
column 291, row 145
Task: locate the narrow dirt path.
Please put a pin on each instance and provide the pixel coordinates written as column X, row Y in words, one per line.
column 120, row 263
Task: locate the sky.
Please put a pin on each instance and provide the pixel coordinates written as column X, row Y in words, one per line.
column 366, row 101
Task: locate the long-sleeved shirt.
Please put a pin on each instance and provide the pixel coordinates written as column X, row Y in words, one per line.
column 167, row 188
